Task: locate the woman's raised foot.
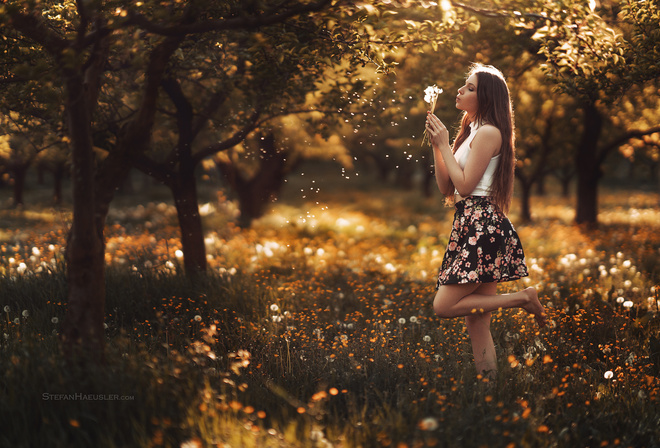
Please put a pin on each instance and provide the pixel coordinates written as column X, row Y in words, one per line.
column 534, row 306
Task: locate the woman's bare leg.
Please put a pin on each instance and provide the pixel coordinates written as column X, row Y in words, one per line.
column 483, row 347
column 478, row 326
column 467, row 299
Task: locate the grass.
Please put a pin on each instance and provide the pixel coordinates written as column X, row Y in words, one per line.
column 314, row 329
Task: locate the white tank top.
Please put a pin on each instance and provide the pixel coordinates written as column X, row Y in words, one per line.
column 461, row 155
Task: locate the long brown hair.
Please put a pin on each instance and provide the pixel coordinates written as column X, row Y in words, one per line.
column 493, row 107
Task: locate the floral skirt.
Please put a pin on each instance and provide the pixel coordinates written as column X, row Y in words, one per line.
column 483, row 246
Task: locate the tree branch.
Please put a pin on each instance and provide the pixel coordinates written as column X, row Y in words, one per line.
column 232, row 141
column 493, row 13
column 245, row 23
column 636, row 133
column 34, row 27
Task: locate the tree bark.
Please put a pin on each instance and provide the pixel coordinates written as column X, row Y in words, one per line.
column 255, row 193
column 588, row 167
column 190, row 224
column 184, row 187
column 20, row 173
column 525, row 208
column 82, row 331
column 58, row 176
column 565, row 187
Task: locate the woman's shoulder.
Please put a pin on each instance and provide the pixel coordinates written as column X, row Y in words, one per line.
column 489, row 129
column 490, row 138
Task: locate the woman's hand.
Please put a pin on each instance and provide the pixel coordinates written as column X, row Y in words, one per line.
column 437, row 132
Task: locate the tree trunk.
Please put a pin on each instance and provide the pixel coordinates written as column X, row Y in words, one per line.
column 58, row 174
column 404, row 175
column 540, row 185
column 184, row 188
column 190, row 224
column 525, row 208
column 588, row 168
column 20, row 173
column 427, row 183
column 82, row 331
column 565, row 187
column 40, row 174
column 255, row 193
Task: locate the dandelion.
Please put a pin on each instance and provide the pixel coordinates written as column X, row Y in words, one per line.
column 620, row 299
column 7, row 309
column 274, row 308
column 402, row 320
column 628, row 304
column 26, row 313
column 198, row 318
column 427, row 338
column 429, row 424
column 191, row 444
column 431, row 94
column 55, row 320
column 608, row 375
column 413, row 319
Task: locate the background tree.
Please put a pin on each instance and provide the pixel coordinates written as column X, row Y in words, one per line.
column 77, row 39
column 24, row 141
column 596, row 55
column 543, row 145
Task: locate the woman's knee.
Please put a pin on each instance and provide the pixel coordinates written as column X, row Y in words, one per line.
column 447, row 296
column 442, row 306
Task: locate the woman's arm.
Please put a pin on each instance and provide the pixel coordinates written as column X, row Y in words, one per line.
column 485, row 145
column 442, row 139
column 441, row 174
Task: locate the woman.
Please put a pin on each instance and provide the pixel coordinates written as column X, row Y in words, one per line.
column 484, row 249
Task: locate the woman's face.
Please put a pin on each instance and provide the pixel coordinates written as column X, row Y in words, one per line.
column 467, row 96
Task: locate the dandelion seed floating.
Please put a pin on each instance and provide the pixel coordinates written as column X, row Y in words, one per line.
column 431, row 94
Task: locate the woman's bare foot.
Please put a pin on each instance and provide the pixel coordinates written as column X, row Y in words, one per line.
column 534, row 306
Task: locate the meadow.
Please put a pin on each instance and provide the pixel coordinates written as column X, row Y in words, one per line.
column 314, row 328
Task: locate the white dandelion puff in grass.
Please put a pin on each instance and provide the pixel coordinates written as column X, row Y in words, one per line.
column 429, row 424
